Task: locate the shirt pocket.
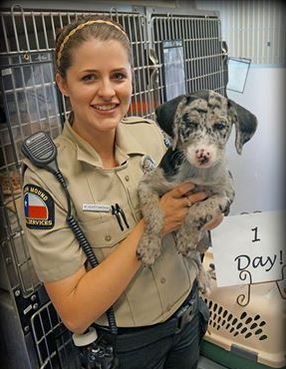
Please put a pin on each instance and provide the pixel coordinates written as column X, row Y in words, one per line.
column 103, row 232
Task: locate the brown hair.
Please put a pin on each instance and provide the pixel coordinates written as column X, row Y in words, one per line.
column 74, row 34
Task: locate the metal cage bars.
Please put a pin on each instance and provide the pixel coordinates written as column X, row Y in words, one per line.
column 203, row 52
column 29, row 32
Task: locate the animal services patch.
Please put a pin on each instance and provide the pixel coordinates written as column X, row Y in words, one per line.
column 39, row 208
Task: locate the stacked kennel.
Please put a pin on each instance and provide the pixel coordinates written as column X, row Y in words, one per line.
column 166, row 43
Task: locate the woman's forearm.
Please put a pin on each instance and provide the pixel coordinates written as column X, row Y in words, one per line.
column 85, row 296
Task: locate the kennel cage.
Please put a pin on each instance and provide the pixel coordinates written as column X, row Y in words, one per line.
column 33, row 336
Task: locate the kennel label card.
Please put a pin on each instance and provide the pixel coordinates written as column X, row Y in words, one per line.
column 249, row 248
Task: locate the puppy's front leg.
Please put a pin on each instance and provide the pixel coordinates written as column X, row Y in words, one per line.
column 187, row 238
column 199, row 215
column 149, row 247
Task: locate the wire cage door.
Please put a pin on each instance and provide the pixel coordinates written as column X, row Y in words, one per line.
column 190, row 55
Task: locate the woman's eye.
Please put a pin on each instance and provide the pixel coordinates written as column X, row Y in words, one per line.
column 89, row 78
column 119, row 76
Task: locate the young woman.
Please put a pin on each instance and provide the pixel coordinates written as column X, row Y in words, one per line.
column 101, row 155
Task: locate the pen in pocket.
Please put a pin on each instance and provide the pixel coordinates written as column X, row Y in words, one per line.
column 120, row 215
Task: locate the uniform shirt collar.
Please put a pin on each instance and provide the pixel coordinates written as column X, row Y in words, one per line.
column 127, row 142
column 126, row 145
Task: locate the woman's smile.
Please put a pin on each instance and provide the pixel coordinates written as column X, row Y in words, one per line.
column 105, row 109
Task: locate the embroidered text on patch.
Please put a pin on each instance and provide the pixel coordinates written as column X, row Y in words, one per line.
column 39, row 208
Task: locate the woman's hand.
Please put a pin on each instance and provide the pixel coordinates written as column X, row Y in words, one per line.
column 175, row 204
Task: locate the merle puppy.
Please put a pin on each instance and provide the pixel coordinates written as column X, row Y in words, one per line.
column 199, row 125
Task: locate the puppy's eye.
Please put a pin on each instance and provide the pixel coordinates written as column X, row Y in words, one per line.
column 188, row 123
column 193, row 125
column 219, row 126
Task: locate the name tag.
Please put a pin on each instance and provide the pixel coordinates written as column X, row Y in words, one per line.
column 100, row 208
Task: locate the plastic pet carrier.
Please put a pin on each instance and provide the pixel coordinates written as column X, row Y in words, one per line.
column 247, row 324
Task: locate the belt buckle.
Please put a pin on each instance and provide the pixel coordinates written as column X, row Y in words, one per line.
column 184, row 316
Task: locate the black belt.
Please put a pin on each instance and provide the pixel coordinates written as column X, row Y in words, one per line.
column 134, row 338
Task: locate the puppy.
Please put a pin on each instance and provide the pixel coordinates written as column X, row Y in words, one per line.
column 199, row 125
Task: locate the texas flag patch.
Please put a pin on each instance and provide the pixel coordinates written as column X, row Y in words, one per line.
column 39, row 208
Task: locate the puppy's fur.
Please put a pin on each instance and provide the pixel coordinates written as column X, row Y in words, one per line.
column 200, row 125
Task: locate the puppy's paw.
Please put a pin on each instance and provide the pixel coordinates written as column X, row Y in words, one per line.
column 204, row 282
column 184, row 244
column 204, row 242
column 149, row 249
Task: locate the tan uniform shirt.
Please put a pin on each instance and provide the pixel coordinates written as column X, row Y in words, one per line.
column 155, row 293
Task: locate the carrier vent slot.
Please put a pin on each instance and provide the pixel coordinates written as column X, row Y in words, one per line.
column 244, row 325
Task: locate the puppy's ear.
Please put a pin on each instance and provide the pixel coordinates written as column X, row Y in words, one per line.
column 165, row 115
column 245, row 124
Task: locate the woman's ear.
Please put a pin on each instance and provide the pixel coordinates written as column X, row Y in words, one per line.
column 62, row 85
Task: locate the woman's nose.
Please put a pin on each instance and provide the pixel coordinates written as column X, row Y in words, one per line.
column 106, row 88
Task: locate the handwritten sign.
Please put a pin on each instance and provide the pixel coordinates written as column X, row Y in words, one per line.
column 249, row 248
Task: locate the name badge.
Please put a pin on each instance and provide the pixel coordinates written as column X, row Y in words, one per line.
column 99, row 208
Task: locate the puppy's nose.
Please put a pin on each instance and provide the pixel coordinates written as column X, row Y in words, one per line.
column 203, row 156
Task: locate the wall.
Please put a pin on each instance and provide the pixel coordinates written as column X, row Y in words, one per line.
column 259, row 171
column 252, row 29
column 256, row 30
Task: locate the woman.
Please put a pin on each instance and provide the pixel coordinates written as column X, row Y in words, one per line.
column 102, row 154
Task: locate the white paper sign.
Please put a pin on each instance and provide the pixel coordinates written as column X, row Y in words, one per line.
column 249, row 248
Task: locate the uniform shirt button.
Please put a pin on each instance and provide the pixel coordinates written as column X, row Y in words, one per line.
column 126, row 178
column 108, row 238
column 163, row 280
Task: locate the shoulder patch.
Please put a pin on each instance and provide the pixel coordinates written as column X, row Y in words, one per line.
column 39, row 208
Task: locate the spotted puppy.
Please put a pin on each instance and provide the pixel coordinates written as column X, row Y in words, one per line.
column 199, row 125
